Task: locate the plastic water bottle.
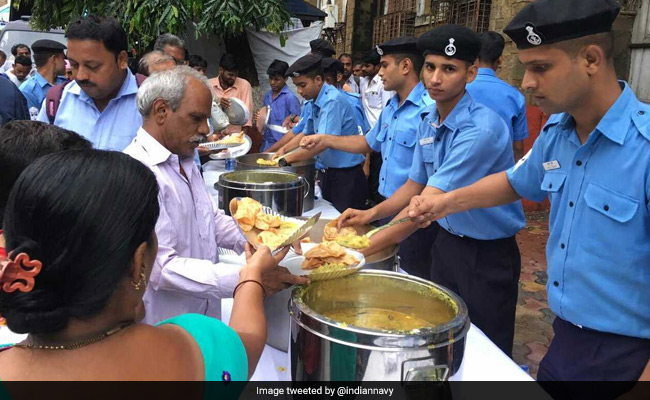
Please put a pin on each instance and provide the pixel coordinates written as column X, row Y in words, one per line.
column 230, row 164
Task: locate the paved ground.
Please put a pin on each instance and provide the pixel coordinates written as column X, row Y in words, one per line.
column 533, row 330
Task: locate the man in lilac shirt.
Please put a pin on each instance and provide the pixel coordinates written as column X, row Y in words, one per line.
column 187, row 276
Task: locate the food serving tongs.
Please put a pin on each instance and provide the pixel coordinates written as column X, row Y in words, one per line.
column 218, row 146
column 281, row 161
column 388, row 225
column 339, row 239
column 298, row 234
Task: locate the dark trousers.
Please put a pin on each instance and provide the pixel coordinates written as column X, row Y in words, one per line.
column 415, row 251
column 581, row 354
column 345, row 187
column 485, row 274
column 373, row 178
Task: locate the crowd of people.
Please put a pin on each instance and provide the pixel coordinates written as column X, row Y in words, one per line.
column 112, row 238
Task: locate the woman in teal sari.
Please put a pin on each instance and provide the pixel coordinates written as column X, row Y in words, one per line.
column 79, row 228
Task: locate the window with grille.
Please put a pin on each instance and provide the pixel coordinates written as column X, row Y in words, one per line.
column 474, row 14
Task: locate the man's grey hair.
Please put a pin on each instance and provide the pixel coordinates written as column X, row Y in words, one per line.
column 167, row 39
column 153, row 58
column 169, row 86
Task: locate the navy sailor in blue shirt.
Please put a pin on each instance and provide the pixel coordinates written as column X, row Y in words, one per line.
column 321, row 48
column 342, row 180
column 49, row 58
column 333, row 74
column 394, row 136
column 592, row 160
column 458, row 142
column 497, row 94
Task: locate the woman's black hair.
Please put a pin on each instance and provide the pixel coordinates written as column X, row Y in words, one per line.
column 22, row 142
column 83, row 214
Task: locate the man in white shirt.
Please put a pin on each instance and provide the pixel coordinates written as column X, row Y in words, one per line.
column 373, row 95
column 187, row 276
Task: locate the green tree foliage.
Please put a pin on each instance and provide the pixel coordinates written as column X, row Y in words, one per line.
column 144, row 20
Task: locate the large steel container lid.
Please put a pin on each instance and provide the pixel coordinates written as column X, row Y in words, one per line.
column 391, row 291
column 260, row 180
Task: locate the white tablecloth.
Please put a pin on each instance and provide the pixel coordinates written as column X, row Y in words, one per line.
column 483, row 360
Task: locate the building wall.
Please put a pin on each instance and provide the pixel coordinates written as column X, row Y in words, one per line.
column 365, row 12
column 348, row 11
column 358, row 17
column 354, row 24
column 502, row 12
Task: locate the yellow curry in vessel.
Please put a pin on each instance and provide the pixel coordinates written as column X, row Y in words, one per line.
column 377, row 318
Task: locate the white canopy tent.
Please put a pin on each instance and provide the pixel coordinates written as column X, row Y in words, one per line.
column 266, row 47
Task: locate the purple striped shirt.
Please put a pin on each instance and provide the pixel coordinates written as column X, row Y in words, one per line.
column 187, row 276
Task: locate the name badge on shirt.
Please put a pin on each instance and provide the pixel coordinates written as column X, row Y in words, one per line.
column 426, row 141
column 551, row 165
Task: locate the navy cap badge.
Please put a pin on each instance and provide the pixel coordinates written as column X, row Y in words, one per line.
column 533, row 38
column 450, row 50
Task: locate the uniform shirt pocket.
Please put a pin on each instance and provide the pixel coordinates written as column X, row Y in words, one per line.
column 404, row 146
column 429, row 159
column 553, row 181
column 617, row 206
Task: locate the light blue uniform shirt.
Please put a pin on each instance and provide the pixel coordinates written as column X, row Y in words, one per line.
column 471, row 143
column 359, row 114
column 112, row 129
column 598, row 250
column 35, row 89
column 394, row 135
column 332, row 114
column 508, row 102
column 304, row 117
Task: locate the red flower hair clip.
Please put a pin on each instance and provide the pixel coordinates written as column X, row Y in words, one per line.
column 19, row 273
